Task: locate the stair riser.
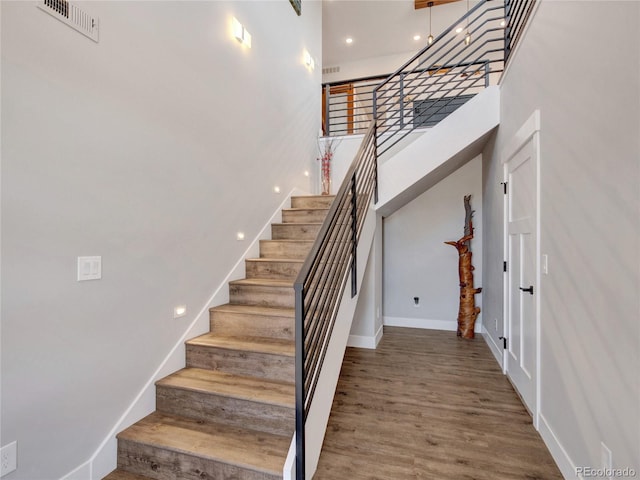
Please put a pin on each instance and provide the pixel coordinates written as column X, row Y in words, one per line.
column 261, row 295
column 230, row 411
column 161, row 464
column 239, row 362
column 241, row 325
column 312, row 202
column 303, row 216
column 280, row 249
column 274, row 270
column 293, row 231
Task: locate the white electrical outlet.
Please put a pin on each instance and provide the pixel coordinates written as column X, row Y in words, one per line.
column 8, row 458
column 89, row 268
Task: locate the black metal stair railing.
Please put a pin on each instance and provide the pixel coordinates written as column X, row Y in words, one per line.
column 323, row 278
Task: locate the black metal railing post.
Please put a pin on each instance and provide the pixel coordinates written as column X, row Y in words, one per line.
column 375, row 159
column 487, row 71
column 299, row 369
column 401, row 101
column 354, row 236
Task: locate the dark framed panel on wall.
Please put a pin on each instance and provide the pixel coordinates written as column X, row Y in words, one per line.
column 297, row 6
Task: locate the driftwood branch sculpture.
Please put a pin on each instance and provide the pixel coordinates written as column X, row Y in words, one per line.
column 467, row 312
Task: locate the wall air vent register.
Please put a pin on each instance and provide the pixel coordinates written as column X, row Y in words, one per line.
column 73, row 16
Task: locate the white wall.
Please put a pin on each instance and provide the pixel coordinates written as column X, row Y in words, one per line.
column 152, row 149
column 417, row 263
column 366, row 329
column 589, row 103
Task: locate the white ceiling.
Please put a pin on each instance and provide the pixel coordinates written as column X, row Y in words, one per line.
column 380, row 27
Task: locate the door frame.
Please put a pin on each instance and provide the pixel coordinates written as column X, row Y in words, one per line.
column 529, row 131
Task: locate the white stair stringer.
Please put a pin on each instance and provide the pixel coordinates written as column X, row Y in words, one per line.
column 438, row 152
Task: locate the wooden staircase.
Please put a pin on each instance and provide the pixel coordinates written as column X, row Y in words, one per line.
column 230, row 414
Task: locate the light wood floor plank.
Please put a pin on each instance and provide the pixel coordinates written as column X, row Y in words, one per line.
column 428, row 405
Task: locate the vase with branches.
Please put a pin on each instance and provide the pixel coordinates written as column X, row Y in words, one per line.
column 326, row 148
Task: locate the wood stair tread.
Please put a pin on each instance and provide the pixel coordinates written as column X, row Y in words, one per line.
column 275, row 260
column 305, row 209
column 315, row 224
column 272, row 392
column 290, row 240
column 275, row 346
column 242, row 447
column 265, row 282
column 254, row 310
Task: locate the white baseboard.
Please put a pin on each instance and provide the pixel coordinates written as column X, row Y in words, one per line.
column 494, row 347
column 426, row 323
column 559, row 454
column 364, row 341
column 104, row 460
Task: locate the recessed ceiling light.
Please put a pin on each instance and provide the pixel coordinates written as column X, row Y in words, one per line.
column 349, row 40
column 459, row 29
column 416, row 37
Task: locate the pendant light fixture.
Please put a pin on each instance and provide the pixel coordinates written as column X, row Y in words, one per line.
column 467, row 37
column 430, row 37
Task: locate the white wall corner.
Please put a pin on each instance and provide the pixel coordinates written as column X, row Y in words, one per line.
column 103, row 461
column 558, row 452
column 364, row 341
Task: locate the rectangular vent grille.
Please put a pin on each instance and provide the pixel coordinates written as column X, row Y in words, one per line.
column 331, row 70
column 73, row 16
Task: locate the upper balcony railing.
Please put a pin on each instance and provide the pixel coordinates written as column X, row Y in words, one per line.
column 464, row 59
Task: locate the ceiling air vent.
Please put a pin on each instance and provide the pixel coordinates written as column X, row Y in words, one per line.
column 73, row 16
column 330, row 70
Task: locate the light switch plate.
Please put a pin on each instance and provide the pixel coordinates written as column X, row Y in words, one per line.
column 89, row 268
column 8, row 458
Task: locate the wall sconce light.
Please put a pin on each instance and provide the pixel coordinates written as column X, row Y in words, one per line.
column 308, row 60
column 240, row 33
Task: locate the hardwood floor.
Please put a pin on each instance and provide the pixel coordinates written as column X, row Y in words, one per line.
column 428, row 405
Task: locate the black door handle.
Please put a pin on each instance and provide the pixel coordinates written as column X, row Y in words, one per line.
column 530, row 289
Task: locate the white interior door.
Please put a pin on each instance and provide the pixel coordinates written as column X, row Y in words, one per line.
column 521, row 283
